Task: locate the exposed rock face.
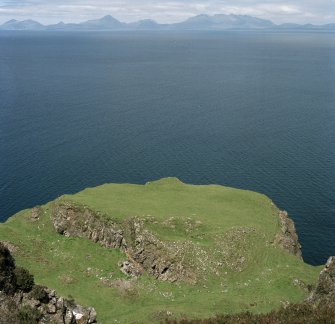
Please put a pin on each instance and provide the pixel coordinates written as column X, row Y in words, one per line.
column 131, row 269
column 324, row 292
column 73, row 220
column 288, row 238
column 144, row 250
column 158, row 258
column 39, row 305
column 35, row 213
column 52, row 309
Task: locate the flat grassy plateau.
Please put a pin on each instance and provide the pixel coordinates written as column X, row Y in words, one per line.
column 231, row 232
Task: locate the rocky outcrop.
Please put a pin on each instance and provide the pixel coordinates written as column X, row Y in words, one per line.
column 74, row 220
column 160, row 259
column 35, row 213
column 324, row 292
column 51, row 309
column 144, row 250
column 287, row 238
column 131, row 269
column 35, row 304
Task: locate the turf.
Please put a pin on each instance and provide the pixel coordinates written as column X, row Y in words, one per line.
column 241, row 223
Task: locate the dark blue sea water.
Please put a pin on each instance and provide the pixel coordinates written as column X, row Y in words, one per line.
column 248, row 110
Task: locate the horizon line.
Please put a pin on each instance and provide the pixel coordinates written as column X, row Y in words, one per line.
column 162, row 23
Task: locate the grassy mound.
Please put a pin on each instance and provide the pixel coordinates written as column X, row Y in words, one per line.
column 228, row 236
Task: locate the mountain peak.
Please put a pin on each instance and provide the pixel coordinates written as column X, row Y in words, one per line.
column 10, row 21
column 108, row 18
column 27, row 24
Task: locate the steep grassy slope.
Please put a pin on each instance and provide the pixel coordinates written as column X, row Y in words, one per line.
column 226, row 235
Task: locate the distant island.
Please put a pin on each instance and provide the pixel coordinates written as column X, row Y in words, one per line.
column 200, row 22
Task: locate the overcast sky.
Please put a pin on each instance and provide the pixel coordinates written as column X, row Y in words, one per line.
column 279, row 11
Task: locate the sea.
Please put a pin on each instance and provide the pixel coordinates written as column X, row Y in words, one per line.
column 247, row 109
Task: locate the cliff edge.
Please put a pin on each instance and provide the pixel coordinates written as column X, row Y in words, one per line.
column 287, row 237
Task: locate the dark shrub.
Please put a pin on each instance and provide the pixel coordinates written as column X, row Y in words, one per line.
column 7, row 266
column 38, row 292
column 24, row 280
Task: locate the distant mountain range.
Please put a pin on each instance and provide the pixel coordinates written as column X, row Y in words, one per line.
column 200, row 22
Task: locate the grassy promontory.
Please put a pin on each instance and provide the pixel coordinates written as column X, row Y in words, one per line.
column 218, row 247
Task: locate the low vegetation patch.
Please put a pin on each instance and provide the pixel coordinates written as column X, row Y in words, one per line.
column 293, row 314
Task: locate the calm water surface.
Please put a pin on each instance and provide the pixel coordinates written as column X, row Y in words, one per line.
column 248, row 110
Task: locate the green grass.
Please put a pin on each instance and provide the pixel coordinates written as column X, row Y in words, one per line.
column 216, row 216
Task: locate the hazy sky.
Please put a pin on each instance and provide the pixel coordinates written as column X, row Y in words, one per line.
column 51, row 11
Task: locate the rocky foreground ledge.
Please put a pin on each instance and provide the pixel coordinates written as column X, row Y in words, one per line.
column 324, row 292
column 23, row 302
